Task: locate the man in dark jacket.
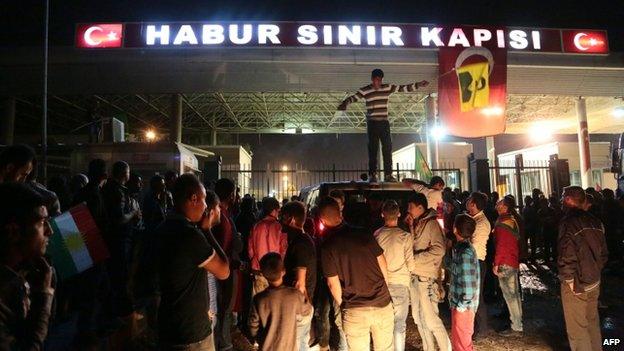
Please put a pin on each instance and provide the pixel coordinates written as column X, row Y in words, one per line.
column 582, row 255
column 93, row 283
column 25, row 277
column 120, row 217
column 91, row 194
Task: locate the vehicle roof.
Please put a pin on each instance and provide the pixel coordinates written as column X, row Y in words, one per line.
column 361, row 185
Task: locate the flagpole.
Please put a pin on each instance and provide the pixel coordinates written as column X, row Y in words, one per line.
column 430, row 118
column 44, row 122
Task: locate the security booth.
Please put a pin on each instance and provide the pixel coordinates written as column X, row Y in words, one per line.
column 146, row 159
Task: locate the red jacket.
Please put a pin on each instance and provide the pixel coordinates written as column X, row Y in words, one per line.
column 266, row 236
column 506, row 240
column 224, row 232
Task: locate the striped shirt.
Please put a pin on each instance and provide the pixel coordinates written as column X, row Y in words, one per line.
column 377, row 99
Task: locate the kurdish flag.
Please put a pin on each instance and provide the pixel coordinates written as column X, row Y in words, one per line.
column 76, row 243
column 422, row 168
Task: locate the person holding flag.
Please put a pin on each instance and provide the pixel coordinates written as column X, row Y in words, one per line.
column 26, row 278
column 376, row 96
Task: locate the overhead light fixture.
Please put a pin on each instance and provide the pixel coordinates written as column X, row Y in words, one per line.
column 150, row 135
column 438, row 132
column 618, row 112
column 540, row 132
column 492, row 111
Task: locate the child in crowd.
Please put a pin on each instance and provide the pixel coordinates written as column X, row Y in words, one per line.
column 277, row 310
column 464, row 289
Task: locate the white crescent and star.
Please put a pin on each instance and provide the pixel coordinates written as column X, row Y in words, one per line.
column 577, row 41
column 112, row 35
column 87, row 36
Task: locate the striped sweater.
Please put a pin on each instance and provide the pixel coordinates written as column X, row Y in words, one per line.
column 377, row 99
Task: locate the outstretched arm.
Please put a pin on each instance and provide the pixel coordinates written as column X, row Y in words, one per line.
column 353, row 98
column 408, row 88
column 411, row 182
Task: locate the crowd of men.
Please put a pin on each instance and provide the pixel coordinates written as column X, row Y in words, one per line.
column 194, row 261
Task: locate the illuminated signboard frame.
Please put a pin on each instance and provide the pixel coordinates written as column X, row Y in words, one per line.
column 167, row 35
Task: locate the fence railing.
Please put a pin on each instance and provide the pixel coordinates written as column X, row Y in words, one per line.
column 519, row 179
column 287, row 180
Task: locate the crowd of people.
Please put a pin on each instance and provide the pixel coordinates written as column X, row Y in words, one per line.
column 191, row 261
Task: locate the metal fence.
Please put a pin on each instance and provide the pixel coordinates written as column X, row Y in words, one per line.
column 284, row 181
column 519, row 177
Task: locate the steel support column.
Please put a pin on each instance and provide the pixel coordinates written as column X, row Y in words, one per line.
column 7, row 121
column 176, row 118
column 583, row 141
column 430, row 114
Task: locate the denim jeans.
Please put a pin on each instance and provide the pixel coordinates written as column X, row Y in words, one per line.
column 303, row 332
column 508, row 280
column 400, row 295
column 424, row 298
column 225, row 318
column 325, row 306
column 360, row 323
column 481, row 318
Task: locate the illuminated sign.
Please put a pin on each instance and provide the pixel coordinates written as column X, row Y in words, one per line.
column 99, row 35
column 585, row 41
column 294, row 34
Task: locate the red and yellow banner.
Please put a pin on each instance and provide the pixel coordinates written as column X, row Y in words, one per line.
column 472, row 90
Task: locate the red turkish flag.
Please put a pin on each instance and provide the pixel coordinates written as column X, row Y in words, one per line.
column 585, row 41
column 472, row 90
column 99, row 35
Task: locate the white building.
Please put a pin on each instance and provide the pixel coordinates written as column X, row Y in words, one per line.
column 536, row 157
column 235, row 164
column 453, row 158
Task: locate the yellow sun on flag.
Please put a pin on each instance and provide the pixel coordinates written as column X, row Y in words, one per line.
column 74, row 242
column 474, row 86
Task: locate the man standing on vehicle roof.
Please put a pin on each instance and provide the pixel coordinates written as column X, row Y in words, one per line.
column 376, row 96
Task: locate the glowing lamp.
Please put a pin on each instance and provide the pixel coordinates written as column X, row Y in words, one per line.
column 618, row 112
column 150, row 135
column 492, row 111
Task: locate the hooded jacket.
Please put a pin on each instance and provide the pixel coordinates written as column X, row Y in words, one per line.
column 582, row 250
column 429, row 245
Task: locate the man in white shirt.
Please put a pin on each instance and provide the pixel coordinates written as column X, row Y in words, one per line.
column 475, row 205
column 433, row 190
